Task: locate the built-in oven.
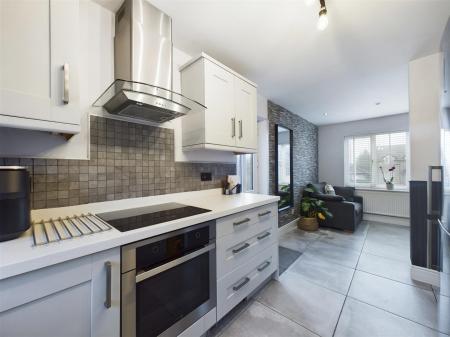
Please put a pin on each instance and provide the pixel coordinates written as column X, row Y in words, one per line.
column 168, row 281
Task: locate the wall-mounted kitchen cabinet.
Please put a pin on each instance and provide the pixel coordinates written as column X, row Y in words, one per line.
column 38, row 65
column 229, row 123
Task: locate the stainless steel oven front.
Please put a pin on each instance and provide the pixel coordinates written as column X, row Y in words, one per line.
column 168, row 281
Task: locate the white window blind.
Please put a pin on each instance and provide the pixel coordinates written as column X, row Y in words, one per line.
column 364, row 155
column 246, row 170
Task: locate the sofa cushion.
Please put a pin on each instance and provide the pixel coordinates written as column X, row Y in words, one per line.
column 320, row 187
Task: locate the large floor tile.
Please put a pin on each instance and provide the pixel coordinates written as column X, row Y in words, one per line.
column 400, row 252
column 334, row 254
column 261, row 321
column 362, row 320
column 388, row 268
column 312, row 306
column 235, row 313
column 342, row 239
column 323, row 273
column 297, row 239
column 416, row 304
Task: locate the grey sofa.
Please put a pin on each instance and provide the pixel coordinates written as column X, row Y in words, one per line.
column 346, row 207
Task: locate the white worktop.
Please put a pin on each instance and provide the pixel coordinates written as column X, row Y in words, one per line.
column 20, row 256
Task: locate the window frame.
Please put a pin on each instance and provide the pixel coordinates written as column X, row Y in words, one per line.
column 241, row 168
column 372, row 185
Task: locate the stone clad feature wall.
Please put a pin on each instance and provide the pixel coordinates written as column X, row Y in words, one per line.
column 305, row 154
column 127, row 160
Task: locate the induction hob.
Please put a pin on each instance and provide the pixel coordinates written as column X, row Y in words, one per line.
column 134, row 218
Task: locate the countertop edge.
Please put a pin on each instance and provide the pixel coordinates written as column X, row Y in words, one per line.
column 102, row 244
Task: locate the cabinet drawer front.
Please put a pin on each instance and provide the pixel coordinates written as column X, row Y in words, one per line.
column 240, row 223
column 236, row 286
column 234, row 250
column 21, row 289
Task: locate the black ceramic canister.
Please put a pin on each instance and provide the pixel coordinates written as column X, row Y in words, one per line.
column 14, row 201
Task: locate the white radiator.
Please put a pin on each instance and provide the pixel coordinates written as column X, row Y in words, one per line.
column 385, row 203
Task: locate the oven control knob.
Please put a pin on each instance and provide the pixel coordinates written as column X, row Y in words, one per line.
column 197, row 235
column 155, row 249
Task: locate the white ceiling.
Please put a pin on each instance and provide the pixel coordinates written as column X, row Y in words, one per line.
column 360, row 59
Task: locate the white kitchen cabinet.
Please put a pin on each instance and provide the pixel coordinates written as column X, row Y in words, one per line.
column 247, row 254
column 246, row 114
column 65, row 299
column 39, row 49
column 229, row 122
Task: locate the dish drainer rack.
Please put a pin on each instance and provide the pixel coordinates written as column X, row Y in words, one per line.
column 54, row 230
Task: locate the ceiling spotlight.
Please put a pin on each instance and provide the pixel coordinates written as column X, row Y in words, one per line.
column 325, row 114
column 309, row 2
column 378, row 103
column 322, row 24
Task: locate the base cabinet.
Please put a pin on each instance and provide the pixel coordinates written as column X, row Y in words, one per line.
column 67, row 299
column 247, row 254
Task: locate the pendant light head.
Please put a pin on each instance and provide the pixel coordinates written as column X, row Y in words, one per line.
column 322, row 24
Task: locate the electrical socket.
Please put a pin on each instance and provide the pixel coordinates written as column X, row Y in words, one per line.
column 206, row 176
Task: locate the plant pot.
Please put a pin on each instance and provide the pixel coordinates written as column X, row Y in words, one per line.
column 390, row 186
column 308, row 224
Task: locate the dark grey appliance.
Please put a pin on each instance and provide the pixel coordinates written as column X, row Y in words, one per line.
column 14, row 201
column 168, row 282
column 143, row 65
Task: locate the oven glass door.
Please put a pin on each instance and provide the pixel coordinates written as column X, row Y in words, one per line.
column 164, row 299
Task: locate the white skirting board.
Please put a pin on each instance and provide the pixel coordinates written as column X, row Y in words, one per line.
column 387, row 219
column 426, row 275
column 288, row 227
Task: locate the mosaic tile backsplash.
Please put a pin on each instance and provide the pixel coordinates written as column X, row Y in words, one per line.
column 128, row 160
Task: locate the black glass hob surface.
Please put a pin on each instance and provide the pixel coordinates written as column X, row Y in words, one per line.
column 134, row 218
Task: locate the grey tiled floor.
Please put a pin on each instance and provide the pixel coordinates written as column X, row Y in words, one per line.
column 343, row 285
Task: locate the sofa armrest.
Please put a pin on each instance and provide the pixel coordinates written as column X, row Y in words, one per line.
column 359, row 200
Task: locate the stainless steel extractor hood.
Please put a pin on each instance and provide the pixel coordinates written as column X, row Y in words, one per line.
column 143, row 67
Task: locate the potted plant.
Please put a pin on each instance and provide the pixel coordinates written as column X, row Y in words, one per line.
column 389, row 181
column 312, row 209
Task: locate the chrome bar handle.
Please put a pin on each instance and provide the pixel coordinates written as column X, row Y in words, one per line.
column 240, row 129
column 233, row 127
column 263, row 266
column 65, row 69
column 265, row 235
column 108, row 266
column 432, row 215
column 241, row 284
column 241, row 222
column 264, row 213
column 241, row 248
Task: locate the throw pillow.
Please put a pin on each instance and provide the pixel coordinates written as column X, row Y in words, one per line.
column 329, row 189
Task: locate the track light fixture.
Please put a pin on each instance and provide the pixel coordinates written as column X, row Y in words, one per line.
column 322, row 24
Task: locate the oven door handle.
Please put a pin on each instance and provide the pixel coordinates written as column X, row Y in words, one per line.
column 152, row 272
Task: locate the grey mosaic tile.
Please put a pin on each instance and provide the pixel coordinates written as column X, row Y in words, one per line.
column 305, row 153
column 127, row 160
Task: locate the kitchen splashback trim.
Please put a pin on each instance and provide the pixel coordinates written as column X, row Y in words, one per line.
column 127, row 160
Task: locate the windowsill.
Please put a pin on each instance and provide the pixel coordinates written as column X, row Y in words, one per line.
column 381, row 189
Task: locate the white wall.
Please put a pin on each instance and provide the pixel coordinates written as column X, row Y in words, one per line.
column 425, row 93
column 331, row 142
column 96, row 73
